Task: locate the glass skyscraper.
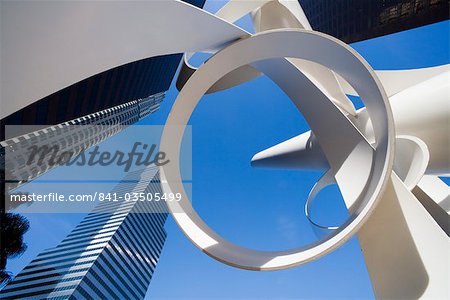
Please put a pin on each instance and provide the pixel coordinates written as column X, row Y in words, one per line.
column 69, row 136
column 357, row 20
column 111, row 254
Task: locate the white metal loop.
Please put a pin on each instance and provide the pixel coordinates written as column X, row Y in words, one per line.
column 370, row 168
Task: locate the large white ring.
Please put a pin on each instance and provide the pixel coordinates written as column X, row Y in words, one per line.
column 291, row 43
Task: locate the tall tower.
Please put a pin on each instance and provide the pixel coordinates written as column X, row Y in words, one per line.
column 75, row 136
column 353, row 20
column 111, row 254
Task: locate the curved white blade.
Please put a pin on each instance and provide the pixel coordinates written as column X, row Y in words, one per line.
column 405, row 250
column 437, row 190
column 411, row 159
column 347, row 151
column 93, row 36
column 233, row 10
column 300, row 152
column 395, row 81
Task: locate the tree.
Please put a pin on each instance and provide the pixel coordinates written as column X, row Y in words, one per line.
column 12, row 228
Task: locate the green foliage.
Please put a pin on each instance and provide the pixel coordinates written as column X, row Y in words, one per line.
column 12, row 228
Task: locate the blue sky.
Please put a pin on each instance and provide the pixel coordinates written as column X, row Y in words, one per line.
column 257, row 208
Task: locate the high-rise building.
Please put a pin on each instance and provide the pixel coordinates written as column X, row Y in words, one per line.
column 356, row 20
column 68, row 137
column 112, row 88
column 111, row 254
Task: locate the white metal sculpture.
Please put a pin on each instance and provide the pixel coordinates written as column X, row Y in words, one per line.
column 385, row 157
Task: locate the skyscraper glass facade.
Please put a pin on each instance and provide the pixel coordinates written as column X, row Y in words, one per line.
column 356, row 20
column 111, row 254
column 69, row 136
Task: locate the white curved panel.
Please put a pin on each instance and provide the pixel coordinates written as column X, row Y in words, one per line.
column 300, row 152
column 405, row 250
column 341, row 142
column 274, row 15
column 395, row 81
column 411, row 159
column 289, row 14
column 421, row 111
column 327, row 82
column 233, row 10
column 437, row 190
column 92, row 37
column 326, row 180
column 268, row 15
column 297, row 11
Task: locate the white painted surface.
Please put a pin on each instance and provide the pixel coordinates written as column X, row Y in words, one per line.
column 92, row 37
column 437, row 190
column 406, row 252
column 347, row 150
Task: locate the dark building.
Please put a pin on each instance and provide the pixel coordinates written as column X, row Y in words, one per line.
column 357, row 20
column 73, row 137
column 136, row 80
column 111, row 254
